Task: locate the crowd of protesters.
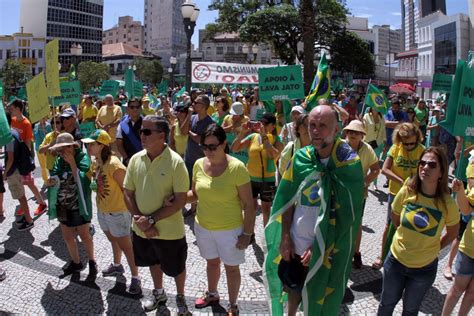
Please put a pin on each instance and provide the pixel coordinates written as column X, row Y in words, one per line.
column 221, row 156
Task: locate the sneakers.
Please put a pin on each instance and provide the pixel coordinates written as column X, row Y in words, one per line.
column 3, row 274
column 113, row 270
column 72, row 267
column 181, row 305
column 135, row 287
column 40, row 209
column 232, row 310
column 357, row 260
column 19, row 220
column 19, row 212
column 159, row 298
column 25, row 225
column 93, row 268
column 207, row 300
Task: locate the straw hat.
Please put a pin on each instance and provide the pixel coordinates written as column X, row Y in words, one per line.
column 63, row 140
column 355, row 125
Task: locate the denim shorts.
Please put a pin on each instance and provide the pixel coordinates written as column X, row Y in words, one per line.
column 464, row 265
column 117, row 223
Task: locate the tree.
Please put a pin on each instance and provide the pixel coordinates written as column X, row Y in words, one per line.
column 91, row 74
column 349, row 53
column 14, row 75
column 149, row 71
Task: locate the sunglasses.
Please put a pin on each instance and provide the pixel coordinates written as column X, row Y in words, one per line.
column 431, row 164
column 409, row 144
column 210, row 147
column 134, row 107
column 147, row 131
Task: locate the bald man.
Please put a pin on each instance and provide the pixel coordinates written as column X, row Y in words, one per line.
column 320, row 203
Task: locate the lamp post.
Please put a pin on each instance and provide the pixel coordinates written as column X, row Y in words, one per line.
column 246, row 49
column 190, row 13
column 173, row 62
column 76, row 52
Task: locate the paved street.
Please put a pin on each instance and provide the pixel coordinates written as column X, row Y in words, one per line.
column 33, row 260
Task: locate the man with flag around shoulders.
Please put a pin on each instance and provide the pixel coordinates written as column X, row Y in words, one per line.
column 314, row 221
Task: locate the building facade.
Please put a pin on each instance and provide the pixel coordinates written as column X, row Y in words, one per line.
column 26, row 48
column 71, row 21
column 127, row 31
column 118, row 56
column 164, row 33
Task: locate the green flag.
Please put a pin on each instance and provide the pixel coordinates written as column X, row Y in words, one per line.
column 335, row 193
column 180, row 92
column 1, row 88
column 321, row 86
column 5, row 132
column 72, row 73
column 22, row 94
column 162, row 87
column 376, row 99
column 129, row 82
column 137, row 89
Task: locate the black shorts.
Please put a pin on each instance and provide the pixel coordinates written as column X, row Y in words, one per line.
column 292, row 274
column 170, row 254
column 70, row 218
column 266, row 190
column 462, row 228
column 2, row 185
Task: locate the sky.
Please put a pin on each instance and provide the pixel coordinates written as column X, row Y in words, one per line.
column 388, row 13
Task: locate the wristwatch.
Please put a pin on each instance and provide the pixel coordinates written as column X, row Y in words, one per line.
column 151, row 220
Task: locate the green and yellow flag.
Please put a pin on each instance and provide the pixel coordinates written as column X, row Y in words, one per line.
column 376, row 99
column 321, row 86
column 335, row 193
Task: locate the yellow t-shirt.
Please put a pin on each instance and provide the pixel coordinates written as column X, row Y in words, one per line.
column 152, row 182
column 148, row 111
column 180, row 140
column 404, row 164
column 228, row 122
column 254, row 164
column 219, row 206
column 109, row 195
column 416, row 242
column 48, row 139
column 108, row 115
column 466, row 246
column 211, row 109
column 89, row 112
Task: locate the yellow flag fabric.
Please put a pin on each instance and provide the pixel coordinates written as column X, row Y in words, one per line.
column 52, row 68
column 38, row 104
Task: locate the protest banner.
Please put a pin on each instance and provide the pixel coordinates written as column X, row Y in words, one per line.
column 70, row 93
column 137, row 89
column 87, row 129
column 5, row 132
column 442, row 83
column 464, row 122
column 109, row 87
column 226, row 73
column 38, row 104
column 280, row 83
column 52, row 68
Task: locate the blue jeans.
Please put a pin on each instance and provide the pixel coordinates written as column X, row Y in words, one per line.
column 412, row 283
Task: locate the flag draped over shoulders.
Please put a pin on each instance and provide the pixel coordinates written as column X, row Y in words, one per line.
column 335, row 190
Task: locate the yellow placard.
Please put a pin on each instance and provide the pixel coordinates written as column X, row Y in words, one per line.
column 52, row 69
column 38, row 104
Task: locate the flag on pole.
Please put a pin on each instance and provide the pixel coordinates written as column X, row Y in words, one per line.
column 129, row 82
column 1, row 88
column 72, row 73
column 5, row 132
column 376, row 99
column 162, row 87
column 154, row 102
column 321, row 87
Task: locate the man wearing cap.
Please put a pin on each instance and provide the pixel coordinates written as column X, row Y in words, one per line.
column 70, row 124
column 108, row 117
column 232, row 125
column 317, row 210
column 146, row 109
column 159, row 240
column 128, row 131
column 288, row 132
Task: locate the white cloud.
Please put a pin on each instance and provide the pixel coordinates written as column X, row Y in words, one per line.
column 363, row 15
column 396, row 13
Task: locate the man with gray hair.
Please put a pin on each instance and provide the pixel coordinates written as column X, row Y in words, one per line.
column 108, row 117
column 159, row 240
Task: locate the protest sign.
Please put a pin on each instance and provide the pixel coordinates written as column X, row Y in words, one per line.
column 109, row 87
column 137, row 89
column 5, row 132
column 52, row 68
column 38, row 104
column 442, row 83
column 280, row 83
column 226, row 73
column 87, row 129
column 70, row 93
column 464, row 122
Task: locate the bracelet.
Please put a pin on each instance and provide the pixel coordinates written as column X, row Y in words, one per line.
column 247, row 234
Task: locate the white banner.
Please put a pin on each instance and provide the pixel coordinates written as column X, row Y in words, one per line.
column 216, row 72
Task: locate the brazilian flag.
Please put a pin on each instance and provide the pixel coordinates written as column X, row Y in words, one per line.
column 376, row 99
column 321, row 87
column 335, row 191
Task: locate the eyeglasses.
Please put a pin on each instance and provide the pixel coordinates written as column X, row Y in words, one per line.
column 409, row 144
column 431, row 164
column 210, row 147
column 134, row 107
column 147, row 131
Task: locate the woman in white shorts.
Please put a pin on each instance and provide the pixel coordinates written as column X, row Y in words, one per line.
column 221, row 184
column 113, row 215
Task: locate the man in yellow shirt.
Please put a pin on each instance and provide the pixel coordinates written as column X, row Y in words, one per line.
column 87, row 111
column 159, row 241
column 108, row 117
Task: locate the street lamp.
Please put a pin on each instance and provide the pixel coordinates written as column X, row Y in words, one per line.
column 246, row 49
column 190, row 13
column 76, row 52
column 173, row 62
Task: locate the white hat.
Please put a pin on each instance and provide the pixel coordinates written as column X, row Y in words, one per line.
column 237, row 108
column 298, row 108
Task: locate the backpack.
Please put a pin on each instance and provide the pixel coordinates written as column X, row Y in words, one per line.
column 24, row 161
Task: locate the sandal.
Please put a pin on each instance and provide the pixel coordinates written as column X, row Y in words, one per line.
column 377, row 265
column 447, row 273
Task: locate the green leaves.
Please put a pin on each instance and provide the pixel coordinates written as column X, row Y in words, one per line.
column 149, row 71
column 91, row 74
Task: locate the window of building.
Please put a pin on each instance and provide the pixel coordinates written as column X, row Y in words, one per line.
column 219, row 50
column 445, row 48
column 230, row 49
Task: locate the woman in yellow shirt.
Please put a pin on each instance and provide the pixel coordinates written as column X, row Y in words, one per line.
column 113, row 216
column 178, row 141
column 401, row 163
column 221, row 186
column 421, row 210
